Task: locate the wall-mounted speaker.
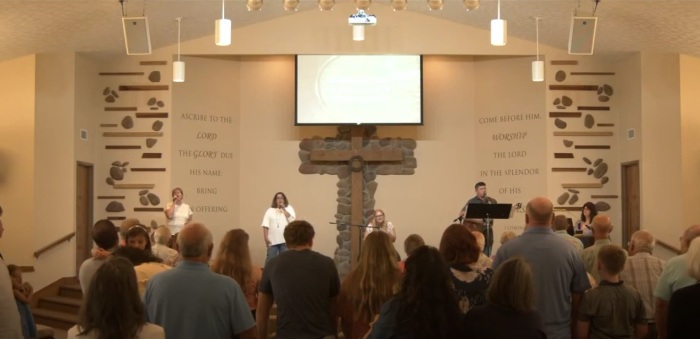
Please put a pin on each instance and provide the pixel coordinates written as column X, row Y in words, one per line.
column 582, row 35
column 136, row 35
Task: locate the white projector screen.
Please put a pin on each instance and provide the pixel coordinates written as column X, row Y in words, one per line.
column 359, row 89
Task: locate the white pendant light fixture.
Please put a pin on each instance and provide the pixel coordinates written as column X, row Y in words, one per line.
column 178, row 66
column 499, row 29
column 223, row 29
column 537, row 65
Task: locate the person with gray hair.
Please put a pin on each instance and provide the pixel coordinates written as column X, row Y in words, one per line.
column 642, row 271
column 160, row 248
column 674, row 277
column 559, row 225
column 191, row 301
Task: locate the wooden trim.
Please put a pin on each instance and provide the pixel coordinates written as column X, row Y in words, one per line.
column 593, row 108
column 132, row 134
column 592, row 147
column 124, row 88
column 116, row 218
column 148, row 209
column 147, row 169
column 563, row 155
column 605, row 125
column 120, row 109
column 603, row 196
column 53, row 244
column 111, row 197
column 151, row 155
column 592, row 73
column 567, row 208
column 583, row 134
column 121, row 73
column 152, row 115
column 626, row 236
column 564, row 62
column 123, row 147
column 667, row 246
column 564, row 114
column 570, row 88
column 109, row 125
column 26, row 269
column 153, row 63
column 582, row 185
column 568, row 169
column 134, row 186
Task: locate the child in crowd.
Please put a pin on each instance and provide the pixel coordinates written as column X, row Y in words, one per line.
column 611, row 310
column 412, row 242
column 23, row 296
column 138, row 237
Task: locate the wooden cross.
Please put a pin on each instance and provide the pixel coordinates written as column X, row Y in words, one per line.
column 356, row 157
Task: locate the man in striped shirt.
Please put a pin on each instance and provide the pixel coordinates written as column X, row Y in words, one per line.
column 642, row 271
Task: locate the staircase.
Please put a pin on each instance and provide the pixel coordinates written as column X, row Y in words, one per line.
column 58, row 304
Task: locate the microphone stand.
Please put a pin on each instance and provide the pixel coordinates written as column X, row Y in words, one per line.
column 362, row 229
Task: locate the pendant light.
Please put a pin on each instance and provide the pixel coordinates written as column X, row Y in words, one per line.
column 178, row 66
column 537, row 65
column 499, row 29
column 223, row 29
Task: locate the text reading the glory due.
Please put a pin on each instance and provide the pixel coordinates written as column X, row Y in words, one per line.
column 212, row 159
column 510, row 150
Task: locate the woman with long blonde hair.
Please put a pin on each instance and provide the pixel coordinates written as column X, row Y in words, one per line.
column 364, row 290
column 233, row 260
column 379, row 223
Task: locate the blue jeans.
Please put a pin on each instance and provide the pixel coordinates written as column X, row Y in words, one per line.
column 275, row 250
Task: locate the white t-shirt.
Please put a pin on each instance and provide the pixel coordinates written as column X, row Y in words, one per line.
column 148, row 331
column 181, row 214
column 275, row 221
column 10, row 327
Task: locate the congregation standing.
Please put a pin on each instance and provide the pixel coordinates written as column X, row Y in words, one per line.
column 167, row 283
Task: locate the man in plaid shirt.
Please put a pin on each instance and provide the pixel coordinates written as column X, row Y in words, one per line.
column 642, row 271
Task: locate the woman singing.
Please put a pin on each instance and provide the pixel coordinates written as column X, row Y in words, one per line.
column 178, row 214
column 276, row 218
column 379, row 223
column 588, row 212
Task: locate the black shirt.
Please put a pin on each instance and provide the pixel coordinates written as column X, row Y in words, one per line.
column 683, row 313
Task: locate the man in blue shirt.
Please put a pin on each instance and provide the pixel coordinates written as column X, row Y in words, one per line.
column 558, row 272
column 191, row 301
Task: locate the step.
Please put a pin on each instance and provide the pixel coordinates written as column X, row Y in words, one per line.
column 71, row 291
column 60, row 320
column 60, row 304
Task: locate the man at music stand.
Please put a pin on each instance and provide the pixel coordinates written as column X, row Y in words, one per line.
column 486, row 229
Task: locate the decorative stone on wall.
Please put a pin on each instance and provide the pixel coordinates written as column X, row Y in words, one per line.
column 342, row 169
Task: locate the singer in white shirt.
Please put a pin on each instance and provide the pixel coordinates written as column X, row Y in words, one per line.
column 177, row 212
column 276, row 218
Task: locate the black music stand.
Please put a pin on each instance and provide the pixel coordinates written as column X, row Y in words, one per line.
column 488, row 212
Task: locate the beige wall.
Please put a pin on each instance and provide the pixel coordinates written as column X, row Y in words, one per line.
column 690, row 129
column 629, row 99
column 54, row 160
column 661, row 167
column 86, row 106
column 211, row 90
column 17, row 158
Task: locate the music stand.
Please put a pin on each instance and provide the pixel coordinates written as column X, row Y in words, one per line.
column 488, row 212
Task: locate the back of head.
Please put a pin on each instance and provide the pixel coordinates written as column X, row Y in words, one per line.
column 539, row 212
column 512, row 287
column 195, row 241
column 690, row 233
column 612, row 259
column 135, row 255
column 458, row 245
column 126, row 225
column 507, row 236
column 560, row 223
column 602, row 225
column 412, row 242
column 693, row 259
column 376, row 278
column 233, row 257
column 642, row 241
column 162, row 235
column 112, row 306
column 427, row 303
column 104, row 234
column 299, row 233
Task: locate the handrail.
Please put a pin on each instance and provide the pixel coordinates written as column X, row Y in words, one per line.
column 668, row 247
column 53, row 244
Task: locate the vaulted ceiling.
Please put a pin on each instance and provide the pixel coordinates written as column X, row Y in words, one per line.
column 624, row 26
